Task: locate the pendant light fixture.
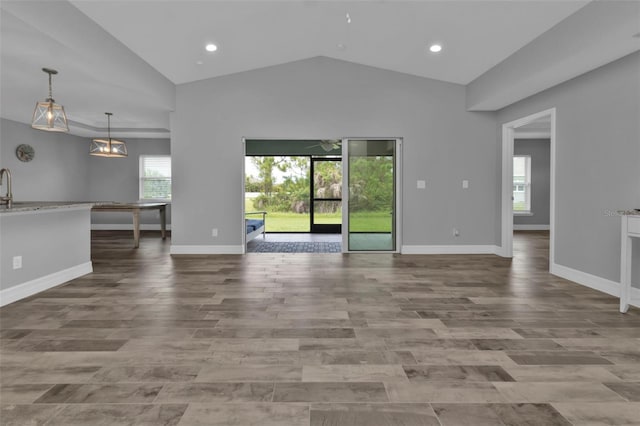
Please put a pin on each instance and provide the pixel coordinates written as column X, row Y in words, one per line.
column 48, row 115
column 108, row 147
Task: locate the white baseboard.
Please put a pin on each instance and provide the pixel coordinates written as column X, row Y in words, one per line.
column 29, row 288
column 597, row 283
column 126, row 227
column 592, row 281
column 177, row 249
column 531, row 227
column 451, row 249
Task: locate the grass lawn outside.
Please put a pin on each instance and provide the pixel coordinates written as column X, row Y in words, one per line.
column 371, row 222
column 518, row 206
column 299, row 222
column 287, row 222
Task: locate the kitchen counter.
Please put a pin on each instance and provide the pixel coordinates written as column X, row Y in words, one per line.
column 42, row 245
column 33, row 206
column 28, row 207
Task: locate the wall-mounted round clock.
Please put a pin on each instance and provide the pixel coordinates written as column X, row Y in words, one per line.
column 25, row 152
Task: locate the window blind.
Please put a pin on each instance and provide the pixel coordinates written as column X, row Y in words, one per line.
column 155, row 177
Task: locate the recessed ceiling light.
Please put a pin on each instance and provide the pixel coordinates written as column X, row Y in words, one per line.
column 348, row 18
column 435, row 48
column 341, row 46
column 211, row 47
column 199, row 62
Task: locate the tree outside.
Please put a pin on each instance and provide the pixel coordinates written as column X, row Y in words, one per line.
column 280, row 185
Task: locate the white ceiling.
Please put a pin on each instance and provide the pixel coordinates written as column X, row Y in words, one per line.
column 394, row 35
column 129, row 62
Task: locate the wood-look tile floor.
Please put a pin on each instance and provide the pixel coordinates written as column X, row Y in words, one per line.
column 318, row 339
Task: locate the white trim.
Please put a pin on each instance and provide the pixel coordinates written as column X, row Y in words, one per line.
column 522, row 213
column 398, row 181
column 517, row 227
column 506, row 243
column 523, row 134
column 451, row 249
column 243, row 235
column 552, row 189
column 345, row 193
column 29, row 288
column 126, row 227
column 508, row 136
column 594, row 282
column 190, row 249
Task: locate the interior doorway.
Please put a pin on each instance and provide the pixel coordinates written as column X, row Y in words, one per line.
column 514, row 193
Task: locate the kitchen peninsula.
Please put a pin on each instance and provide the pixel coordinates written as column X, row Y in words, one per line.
column 42, row 245
column 45, row 244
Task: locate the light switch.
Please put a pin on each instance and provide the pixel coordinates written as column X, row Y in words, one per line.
column 465, row 184
column 421, row 184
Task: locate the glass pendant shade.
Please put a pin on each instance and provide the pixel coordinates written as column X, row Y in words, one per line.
column 48, row 115
column 108, row 147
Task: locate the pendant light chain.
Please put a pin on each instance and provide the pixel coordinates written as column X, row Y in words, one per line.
column 48, row 115
column 50, row 89
column 109, row 126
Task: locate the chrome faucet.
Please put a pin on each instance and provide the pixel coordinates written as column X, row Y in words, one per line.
column 8, row 199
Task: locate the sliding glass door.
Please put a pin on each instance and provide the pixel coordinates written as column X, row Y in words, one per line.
column 371, row 188
column 326, row 190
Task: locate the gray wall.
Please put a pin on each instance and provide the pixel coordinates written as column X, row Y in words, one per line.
column 63, row 170
column 58, row 171
column 598, row 161
column 539, row 150
column 326, row 98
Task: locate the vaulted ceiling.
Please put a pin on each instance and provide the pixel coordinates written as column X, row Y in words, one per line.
column 127, row 56
column 393, row 35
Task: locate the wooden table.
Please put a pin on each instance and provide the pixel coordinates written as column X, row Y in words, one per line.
column 630, row 229
column 135, row 208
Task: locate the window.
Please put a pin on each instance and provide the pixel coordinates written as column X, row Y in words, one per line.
column 155, row 177
column 522, row 184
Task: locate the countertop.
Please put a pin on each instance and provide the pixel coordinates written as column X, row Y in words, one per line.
column 33, row 206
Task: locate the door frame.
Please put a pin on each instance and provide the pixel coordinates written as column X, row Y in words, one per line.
column 397, row 214
column 508, row 137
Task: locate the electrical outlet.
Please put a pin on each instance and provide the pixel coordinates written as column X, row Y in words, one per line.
column 17, row 262
column 465, row 184
column 456, row 233
column 421, row 184
column 214, row 232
